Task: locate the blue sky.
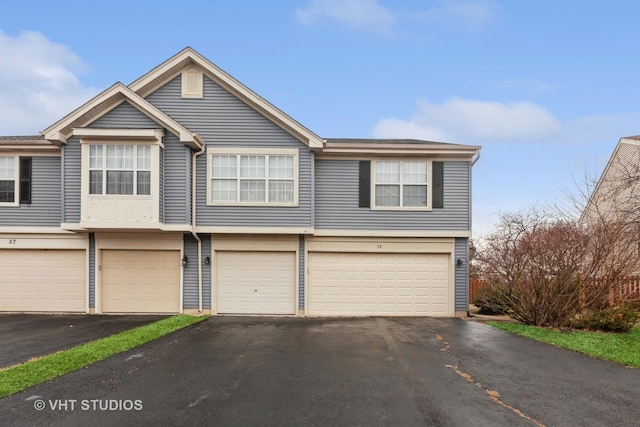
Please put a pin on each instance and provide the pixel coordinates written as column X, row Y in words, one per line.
column 546, row 87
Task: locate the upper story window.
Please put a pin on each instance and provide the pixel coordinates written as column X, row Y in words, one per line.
column 401, row 184
column 253, row 178
column 8, row 179
column 15, row 180
column 120, row 169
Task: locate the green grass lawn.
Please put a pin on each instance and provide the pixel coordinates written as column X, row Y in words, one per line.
column 622, row 348
column 23, row 376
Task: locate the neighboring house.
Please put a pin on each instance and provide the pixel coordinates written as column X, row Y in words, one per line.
column 616, row 197
column 186, row 192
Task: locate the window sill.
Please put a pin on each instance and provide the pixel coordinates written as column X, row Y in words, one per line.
column 262, row 205
column 120, row 196
column 401, row 208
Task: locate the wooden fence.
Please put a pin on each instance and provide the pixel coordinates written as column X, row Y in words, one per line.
column 628, row 288
column 474, row 286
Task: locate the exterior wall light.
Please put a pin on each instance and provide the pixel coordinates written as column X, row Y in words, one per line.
column 460, row 262
column 207, row 260
column 184, row 260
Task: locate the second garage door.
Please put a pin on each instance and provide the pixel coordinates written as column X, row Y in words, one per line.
column 362, row 284
column 137, row 281
column 255, row 282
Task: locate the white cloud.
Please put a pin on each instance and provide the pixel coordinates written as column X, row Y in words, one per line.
column 472, row 121
column 38, row 83
column 371, row 16
column 469, row 15
column 361, row 15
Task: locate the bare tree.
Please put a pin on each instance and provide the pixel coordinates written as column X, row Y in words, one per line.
column 543, row 269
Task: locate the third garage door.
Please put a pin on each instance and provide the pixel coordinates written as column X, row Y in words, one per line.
column 255, row 282
column 388, row 284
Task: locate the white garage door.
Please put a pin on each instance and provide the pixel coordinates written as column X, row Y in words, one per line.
column 135, row 281
column 361, row 284
column 255, row 282
column 43, row 280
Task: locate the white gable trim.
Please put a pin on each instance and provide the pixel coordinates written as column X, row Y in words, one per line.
column 100, row 105
column 189, row 57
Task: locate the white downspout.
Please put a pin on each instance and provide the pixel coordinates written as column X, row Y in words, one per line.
column 201, row 144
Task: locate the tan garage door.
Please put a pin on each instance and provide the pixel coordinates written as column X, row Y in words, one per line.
column 255, row 282
column 362, row 284
column 135, row 281
column 43, row 280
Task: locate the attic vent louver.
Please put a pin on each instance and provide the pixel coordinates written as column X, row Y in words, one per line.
column 192, row 83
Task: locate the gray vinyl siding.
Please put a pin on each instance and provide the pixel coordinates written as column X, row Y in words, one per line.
column 45, row 206
column 336, row 201
column 222, row 120
column 92, row 270
column 190, row 271
column 462, row 274
column 71, row 156
column 301, row 269
column 177, row 181
column 125, row 116
column 206, row 271
column 190, row 278
column 161, row 190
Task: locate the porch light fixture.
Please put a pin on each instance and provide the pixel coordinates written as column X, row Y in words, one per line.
column 207, row 260
column 184, row 260
column 459, row 262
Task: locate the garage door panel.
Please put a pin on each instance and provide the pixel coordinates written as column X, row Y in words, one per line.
column 378, row 284
column 255, row 282
column 43, row 280
column 136, row 281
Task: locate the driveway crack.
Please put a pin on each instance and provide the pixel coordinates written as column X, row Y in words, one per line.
column 493, row 394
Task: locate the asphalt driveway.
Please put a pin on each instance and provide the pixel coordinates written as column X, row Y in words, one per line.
column 350, row 372
column 24, row 336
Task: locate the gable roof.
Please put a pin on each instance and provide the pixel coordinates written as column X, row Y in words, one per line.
column 188, row 57
column 59, row 132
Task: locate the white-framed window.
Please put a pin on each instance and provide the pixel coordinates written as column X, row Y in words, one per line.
column 9, row 180
column 253, row 178
column 120, row 169
column 401, row 184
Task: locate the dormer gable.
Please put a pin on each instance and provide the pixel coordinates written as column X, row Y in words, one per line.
column 59, row 132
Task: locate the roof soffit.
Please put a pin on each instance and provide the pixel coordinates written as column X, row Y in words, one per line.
column 382, row 147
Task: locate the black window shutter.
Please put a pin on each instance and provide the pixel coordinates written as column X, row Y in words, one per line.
column 365, row 184
column 25, row 180
column 438, row 185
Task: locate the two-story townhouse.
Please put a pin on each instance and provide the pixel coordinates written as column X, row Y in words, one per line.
column 185, row 191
